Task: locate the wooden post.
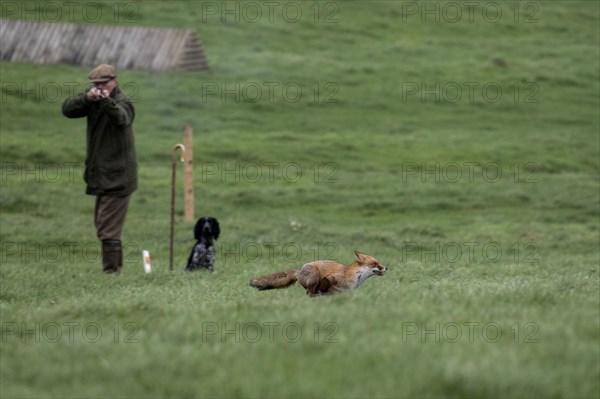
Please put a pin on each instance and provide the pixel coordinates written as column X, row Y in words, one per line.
column 188, row 181
column 173, row 182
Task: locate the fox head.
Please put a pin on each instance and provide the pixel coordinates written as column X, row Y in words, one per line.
column 371, row 263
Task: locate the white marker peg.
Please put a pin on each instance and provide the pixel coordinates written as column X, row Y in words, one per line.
column 146, row 258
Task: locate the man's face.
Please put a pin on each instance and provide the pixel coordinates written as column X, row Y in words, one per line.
column 108, row 85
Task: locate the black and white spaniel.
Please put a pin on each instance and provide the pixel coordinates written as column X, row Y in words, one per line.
column 203, row 254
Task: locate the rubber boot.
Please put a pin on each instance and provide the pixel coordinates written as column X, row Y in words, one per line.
column 112, row 256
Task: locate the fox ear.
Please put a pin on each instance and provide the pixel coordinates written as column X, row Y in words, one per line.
column 359, row 255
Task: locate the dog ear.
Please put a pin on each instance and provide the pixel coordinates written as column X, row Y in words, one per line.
column 198, row 229
column 215, row 228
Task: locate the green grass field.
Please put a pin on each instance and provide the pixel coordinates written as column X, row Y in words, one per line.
column 458, row 144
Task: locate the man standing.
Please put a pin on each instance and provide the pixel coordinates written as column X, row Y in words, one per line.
column 110, row 165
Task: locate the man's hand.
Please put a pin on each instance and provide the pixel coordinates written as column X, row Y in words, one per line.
column 96, row 94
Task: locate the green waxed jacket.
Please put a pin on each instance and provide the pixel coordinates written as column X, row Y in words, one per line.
column 110, row 165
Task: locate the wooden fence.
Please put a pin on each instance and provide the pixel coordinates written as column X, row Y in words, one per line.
column 90, row 45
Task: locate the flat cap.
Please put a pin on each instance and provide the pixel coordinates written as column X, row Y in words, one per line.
column 102, row 73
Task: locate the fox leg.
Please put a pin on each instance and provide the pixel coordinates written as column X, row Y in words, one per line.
column 324, row 286
column 309, row 277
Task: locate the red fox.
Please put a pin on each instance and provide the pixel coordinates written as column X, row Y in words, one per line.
column 323, row 277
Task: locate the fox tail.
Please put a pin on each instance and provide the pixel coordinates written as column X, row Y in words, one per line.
column 275, row 280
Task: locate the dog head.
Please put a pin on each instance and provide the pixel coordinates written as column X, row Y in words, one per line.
column 207, row 227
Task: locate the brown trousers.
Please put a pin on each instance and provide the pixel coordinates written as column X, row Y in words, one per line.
column 109, row 216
